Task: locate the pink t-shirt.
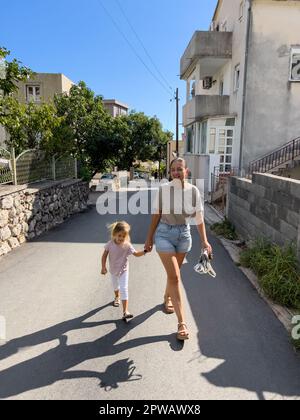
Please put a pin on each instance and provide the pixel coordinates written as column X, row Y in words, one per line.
column 118, row 256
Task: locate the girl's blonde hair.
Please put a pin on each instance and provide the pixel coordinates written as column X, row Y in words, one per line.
column 118, row 227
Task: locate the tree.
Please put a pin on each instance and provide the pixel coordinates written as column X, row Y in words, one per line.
column 28, row 125
column 82, row 113
column 145, row 138
column 11, row 73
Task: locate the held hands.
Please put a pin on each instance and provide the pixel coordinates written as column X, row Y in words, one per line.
column 104, row 271
column 148, row 245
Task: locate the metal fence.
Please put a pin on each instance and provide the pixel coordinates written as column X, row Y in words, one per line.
column 6, row 175
column 34, row 166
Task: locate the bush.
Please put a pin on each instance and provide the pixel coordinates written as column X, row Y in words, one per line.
column 225, row 229
column 85, row 173
column 277, row 270
column 296, row 344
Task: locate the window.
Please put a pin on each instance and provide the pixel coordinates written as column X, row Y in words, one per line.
column 221, row 88
column 236, row 77
column 33, row 93
column 212, row 141
column 295, row 65
column 189, row 142
column 203, row 137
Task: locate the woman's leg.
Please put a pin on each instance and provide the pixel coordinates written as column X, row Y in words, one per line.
column 167, row 298
column 172, row 268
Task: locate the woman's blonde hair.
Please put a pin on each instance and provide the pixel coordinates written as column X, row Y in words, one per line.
column 118, row 227
column 178, row 159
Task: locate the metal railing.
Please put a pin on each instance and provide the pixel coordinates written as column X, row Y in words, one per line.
column 278, row 157
column 34, row 166
column 6, row 174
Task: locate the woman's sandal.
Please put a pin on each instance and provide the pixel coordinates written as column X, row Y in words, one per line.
column 169, row 308
column 117, row 302
column 183, row 334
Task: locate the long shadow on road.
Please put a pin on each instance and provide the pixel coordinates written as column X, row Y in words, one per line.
column 236, row 326
column 54, row 364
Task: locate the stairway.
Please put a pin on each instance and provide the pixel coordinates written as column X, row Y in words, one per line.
column 279, row 161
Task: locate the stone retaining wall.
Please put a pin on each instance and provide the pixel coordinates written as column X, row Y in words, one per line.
column 27, row 212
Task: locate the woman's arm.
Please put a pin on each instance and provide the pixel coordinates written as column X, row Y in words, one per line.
column 202, row 233
column 103, row 260
column 154, row 223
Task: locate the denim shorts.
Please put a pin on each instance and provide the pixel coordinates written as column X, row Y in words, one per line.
column 173, row 238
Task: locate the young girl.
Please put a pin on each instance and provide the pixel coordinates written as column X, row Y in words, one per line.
column 118, row 249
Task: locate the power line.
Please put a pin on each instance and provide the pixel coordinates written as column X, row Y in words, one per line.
column 143, row 46
column 132, row 47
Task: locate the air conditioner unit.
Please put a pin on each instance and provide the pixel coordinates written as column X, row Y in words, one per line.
column 207, row 82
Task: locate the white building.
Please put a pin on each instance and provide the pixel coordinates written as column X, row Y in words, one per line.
column 115, row 108
column 243, row 90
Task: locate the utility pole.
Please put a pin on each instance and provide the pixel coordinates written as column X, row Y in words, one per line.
column 177, row 121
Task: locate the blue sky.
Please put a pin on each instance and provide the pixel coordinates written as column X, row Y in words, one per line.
column 78, row 38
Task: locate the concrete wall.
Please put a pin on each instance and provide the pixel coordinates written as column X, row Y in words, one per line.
column 50, row 84
column 272, row 102
column 28, row 212
column 268, row 206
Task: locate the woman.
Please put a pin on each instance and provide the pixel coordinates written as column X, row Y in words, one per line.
column 176, row 202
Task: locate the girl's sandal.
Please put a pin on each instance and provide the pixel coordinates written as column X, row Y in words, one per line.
column 169, row 308
column 183, row 334
column 117, row 302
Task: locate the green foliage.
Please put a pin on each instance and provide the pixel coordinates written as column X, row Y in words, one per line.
column 145, row 140
column 296, row 344
column 85, row 173
column 13, row 73
column 277, row 269
column 29, row 125
column 225, row 229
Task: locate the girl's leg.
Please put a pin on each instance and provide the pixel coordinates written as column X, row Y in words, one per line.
column 115, row 283
column 124, row 290
column 167, row 298
column 171, row 265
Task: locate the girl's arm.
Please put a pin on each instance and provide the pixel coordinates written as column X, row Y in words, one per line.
column 202, row 233
column 139, row 253
column 103, row 260
column 149, row 241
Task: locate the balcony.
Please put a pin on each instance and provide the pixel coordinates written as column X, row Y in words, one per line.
column 211, row 48
column 202, row 106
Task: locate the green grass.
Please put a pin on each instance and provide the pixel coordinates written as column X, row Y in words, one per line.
column 277, row 270
column 296, row 344
column 225, row 229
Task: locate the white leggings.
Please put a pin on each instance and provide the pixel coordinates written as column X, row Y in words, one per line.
column 121, row 283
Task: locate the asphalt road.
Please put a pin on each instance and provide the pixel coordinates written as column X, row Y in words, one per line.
column 65, row 340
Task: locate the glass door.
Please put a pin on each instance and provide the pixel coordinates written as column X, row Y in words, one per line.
column 221, row 143
column 224, row 141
